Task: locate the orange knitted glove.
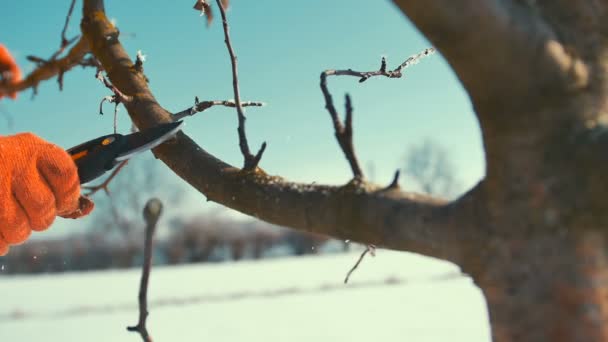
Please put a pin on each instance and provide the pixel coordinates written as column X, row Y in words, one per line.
column 9, row 70
column 38, row 181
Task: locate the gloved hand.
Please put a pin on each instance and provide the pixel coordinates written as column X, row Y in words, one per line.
column 9, row 70
column 38, row 181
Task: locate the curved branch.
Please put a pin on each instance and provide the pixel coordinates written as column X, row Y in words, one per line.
column 357, row 211
column 49, row 69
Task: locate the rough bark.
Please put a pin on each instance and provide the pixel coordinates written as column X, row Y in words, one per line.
column 535, row 72
column 532, row 234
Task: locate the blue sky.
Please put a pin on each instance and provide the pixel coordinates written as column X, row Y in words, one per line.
column 282, row 48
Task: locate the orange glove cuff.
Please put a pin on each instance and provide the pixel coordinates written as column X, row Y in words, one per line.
column 38, row 181
column 9, row 69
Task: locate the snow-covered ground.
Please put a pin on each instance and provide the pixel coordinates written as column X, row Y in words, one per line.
column 391, row 297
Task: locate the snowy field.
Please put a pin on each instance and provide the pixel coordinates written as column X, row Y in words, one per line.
column 390, row 297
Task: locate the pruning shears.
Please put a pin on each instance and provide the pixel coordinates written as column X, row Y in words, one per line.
column 95, row 157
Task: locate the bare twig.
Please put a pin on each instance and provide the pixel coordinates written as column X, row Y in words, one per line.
column 117, row 98
column 395, row 183
column 151, row 213
column 138, row 66
column 92, row 189
column 395, row 73
column 200, row 106
column 121, row 97
column 62, row 46
column 344, row 133
column 371, row 249
column 64, row 40
column 140, row 58
column 40, row 61
column 251, row 161
column 47, row 69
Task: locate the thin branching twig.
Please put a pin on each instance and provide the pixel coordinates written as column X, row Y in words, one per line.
column 117, row 98
column 65, row 42
column 200, row 106
column 92, row 189
column 48, row 69
column 251, row 161
column 151, row 213
column 343, row 132
column 395, row 73
column 371, row 249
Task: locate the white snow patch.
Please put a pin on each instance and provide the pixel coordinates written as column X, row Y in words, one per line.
column 393, row 297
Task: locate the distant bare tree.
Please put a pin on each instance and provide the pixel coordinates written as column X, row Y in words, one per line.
column 141, row 179
column 118, row 215
column 428, row 164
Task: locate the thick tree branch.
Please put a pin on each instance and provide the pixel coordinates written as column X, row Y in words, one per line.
column 51, row 68
column 359, row 212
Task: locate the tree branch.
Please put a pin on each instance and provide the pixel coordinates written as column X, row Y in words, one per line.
column 363, row 213
column 343, row 133
column 371, row 249
column 65, row 42
column 151, row 213
column 251, row 161
column 117, row 98
column 382, row 71
column 93, row 189
column 201, row 106
column 51, row 68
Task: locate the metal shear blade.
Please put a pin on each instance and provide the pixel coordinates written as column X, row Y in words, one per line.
column 94, row 157
column 146, row 140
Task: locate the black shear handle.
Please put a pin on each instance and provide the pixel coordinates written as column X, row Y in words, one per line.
column 93, row 158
